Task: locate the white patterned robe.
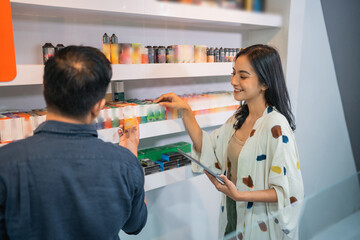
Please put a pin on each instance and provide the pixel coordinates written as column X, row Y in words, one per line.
column 269, row 159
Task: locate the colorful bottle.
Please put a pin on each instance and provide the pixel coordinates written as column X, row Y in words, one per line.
column 222, row 55
column 136, row 53
column 151, row 55
column 106, row 46
column 211, row 56
column 48, row 51
column 114, row 48
column 144, row 55
column 217, row 55
column 58, row 47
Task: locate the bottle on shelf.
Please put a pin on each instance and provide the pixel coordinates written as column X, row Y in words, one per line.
column 217, row 55
column 151, row 54
column 125, row 53
column 48, row 51
column 222, row 55
column 114, row 49
column 58, row 47
column 144, row 55
column 106, row 46
column 136, row 53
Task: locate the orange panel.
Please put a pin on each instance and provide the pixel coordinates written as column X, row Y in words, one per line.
column 7, row 48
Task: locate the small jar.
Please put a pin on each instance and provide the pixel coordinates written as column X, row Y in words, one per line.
column 161, row 54
column 48, row 51
column 151, row 54
column 217, row 55
column 211, row 56
column 222, row 54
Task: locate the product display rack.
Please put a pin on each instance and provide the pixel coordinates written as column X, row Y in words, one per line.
column 159, row 128
column 28, row 74
column 152, row 12
column 113, row 11
column 162, row 179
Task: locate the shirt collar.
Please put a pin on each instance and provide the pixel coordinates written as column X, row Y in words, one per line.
column 66, row 128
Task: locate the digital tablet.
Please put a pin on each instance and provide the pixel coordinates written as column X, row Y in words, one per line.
column 202, row 165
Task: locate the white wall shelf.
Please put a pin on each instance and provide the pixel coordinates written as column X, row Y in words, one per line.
column 165, row 127
column 150, row 11
column 161, row 179
column 28, row 74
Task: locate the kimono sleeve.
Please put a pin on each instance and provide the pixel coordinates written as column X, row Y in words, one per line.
column 285, row 177
column 211, row 150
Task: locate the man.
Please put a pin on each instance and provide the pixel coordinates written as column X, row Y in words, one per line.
column 63, row 182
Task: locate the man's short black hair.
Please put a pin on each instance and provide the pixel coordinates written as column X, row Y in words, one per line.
column 75, row 79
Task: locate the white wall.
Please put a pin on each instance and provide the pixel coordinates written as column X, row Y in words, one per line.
column 322, row 135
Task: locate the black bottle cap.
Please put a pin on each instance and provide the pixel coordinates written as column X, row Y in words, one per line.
column 106, row 38
column 114, row 39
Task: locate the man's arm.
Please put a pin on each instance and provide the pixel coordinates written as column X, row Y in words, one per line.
column 3, row 234
column 138, row 216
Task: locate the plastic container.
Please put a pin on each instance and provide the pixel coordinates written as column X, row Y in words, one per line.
column 106, row 46
column 48, row 51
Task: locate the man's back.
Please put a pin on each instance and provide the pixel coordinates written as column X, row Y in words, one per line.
column 64, row 183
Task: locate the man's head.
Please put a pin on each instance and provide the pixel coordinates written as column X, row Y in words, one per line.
column 75, row 80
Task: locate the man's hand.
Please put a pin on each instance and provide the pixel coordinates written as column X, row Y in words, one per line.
column 129, row 138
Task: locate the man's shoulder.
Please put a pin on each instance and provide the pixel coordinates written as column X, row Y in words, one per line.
column 13, row 148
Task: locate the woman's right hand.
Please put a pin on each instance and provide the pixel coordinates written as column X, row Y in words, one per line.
column 172, row 100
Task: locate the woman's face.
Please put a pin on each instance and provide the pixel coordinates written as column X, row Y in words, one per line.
column 245, row 81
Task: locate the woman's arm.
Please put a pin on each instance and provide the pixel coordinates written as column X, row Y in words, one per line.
column 171, row 100
column 229, row 189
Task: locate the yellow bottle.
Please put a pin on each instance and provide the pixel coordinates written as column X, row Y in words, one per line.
column 106, row 46
column 114, row 47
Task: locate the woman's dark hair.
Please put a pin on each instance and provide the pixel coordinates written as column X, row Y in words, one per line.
column 75, row 79
column 267, row 64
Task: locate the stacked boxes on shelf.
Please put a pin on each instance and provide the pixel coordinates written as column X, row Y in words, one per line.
column 163, row 158
column 18, row 125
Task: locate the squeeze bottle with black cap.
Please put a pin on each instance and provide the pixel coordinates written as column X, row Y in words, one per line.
column 106, row 46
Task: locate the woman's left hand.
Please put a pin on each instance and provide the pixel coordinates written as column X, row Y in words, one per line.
column 228, row 188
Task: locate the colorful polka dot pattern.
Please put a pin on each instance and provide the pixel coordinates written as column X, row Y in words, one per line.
column 293, row 200
column 252, row 133
column 217, row 165
column 276, row 169
column 276, row 131
column 261, row 157
column 248, row 181
column 286, row 231
column 262, row 226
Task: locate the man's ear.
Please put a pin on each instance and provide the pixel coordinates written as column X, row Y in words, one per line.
column 95, row 110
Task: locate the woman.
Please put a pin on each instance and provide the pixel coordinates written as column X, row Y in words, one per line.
column 255, row 149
